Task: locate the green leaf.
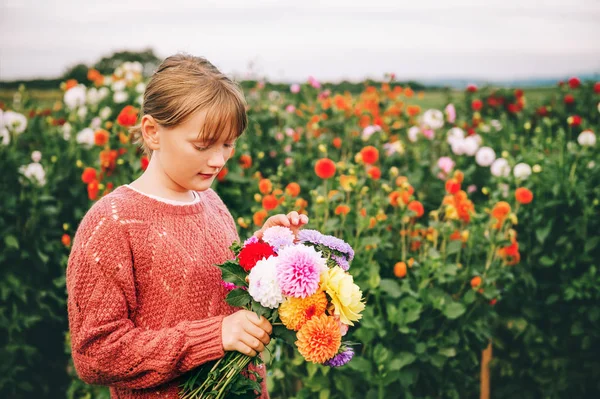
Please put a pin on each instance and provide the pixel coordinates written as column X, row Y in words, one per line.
column 390, row 287
column 11, row 242
column 453, row 247
column 361, row 364
column 454, row 310
column 403, row 359
column 233, row 273
column 448, row 352
column 239, row 298
column 546, row 261
column 542, row 233
column 591, row 243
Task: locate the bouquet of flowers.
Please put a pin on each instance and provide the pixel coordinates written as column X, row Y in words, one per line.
column 300, row 285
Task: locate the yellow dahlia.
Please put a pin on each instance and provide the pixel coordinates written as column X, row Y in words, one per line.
column 319, row 339
column 294, row 312
column 345, row 295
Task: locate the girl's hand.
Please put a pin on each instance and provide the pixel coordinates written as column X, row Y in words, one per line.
column 245, row 332
column 292, row 220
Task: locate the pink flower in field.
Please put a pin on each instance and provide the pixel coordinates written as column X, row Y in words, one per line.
column 295, row 88
column 290, row 108
column 471, row 189
column 324, row 94
column 287, row 148
column 289, row 131
column 445, row 164
column 314, row 82
column 288, row 161
column 450, row 113
column 279, row 136
column 429, row 134
column 299, row 270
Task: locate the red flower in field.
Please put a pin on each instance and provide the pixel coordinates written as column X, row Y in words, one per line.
column 513, row 108
column 269, row 202
column 452, row 186
column 127, row 116
column 89, row 175
column 542, row 111
column 369, row 154
column 222, row 173
column 574, row 83
column 374, row 172
column 254, row 252
column 472, row 88
column 108, row 159
column 101, row 137
column 245, row 161
column 575, row 120
column 66, row 240
column 569, row 99
column 337, row 142
column 597, row 87
column 144, row 161
column 523, row 195
column 519, row 93
column 417, row 208
column 93, row 190
column 476, row 105
column 325, row 168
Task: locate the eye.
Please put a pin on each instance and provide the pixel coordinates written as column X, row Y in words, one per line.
column 200, row 148
column 230, row 145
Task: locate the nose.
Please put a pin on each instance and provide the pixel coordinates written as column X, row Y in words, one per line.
column 216, row 160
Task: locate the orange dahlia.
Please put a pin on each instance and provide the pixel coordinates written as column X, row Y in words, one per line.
column 369, row 154
column 319, row 339
column 295, row 312
column 325, row 168
column 523, row 195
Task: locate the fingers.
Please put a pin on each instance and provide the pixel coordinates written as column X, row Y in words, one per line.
column 258, row 333
column 245, row 349
column 253, row 343
column 261, row 322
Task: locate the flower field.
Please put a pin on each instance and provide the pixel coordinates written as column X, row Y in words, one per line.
column 473, row 222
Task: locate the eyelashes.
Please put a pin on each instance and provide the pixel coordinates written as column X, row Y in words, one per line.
column 230, row 146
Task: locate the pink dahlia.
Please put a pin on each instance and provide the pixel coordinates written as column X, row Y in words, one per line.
column 299, row 270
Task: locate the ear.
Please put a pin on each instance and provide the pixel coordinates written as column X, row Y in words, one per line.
column 150, row 132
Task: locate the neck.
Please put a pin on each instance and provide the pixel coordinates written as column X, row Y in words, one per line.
column 155, row 181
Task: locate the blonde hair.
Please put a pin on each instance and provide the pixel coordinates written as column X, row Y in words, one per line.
column 184, row 84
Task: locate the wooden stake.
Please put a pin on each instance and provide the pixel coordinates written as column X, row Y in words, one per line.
column 486, row 357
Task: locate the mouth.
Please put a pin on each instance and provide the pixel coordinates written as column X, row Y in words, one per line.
column 207, row 175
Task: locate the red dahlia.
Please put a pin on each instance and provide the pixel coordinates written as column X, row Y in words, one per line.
column 254, row 252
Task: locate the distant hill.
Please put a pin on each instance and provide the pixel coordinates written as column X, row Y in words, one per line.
column 530, row 82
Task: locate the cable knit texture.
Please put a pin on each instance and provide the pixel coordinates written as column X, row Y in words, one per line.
column 145, row 300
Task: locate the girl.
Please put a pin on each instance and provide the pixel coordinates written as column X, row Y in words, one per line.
column 145, row 300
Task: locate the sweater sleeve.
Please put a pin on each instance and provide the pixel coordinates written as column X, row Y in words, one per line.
column 107, row 348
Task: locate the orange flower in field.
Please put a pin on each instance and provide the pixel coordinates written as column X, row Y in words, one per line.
column 416, row 207
column 108, row 160
column 293, row 189
column 319, row 339
column 300, row 204
column 269, row 202
column 452, row 186
column 70, row 84
column 413, row 110
column 265, row 186
column 374, row 172
column 222, row 173
column 93, row 189
column 456, row 236
column 101, row 137
column 475, row 282
column 400, row 269
column 88, row 175
column 393, row 198
column 127, row 116
column 325, row 168
column 408, row 92
column 245, row 161
column 459, row 176
column 363, row 212
column 342, row 210
column 337, row 142
column 259, row 217
column 523, row 195
column 500, row 211
column 369, row 154
column 66, row 240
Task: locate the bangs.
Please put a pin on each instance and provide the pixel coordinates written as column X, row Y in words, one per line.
column 225, row 117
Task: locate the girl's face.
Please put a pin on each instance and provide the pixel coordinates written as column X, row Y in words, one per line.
column 189, row 163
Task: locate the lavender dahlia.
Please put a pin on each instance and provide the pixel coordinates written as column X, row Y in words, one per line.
column 344, row 355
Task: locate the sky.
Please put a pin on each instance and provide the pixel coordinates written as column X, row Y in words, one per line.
column 332, row 40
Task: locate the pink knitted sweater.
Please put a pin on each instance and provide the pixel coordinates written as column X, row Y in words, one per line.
column 145, row 300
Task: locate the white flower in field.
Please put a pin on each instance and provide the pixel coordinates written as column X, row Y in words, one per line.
column 135, row 67
column 587, row 138
column 14, row 121
column 263, row 286
column 496, row 124
column 119, row 85
column 458, row 146
column 140, row 99
column 103, row 92
column 522, row 171
column 34, row 171
column 93, row 96
column 455, row 133
column 120, row 97
column 140, row 87
column 129, row 76
column 392, row 148
column 504, row 189
column 369, row 131
column 96, row 122
column 485, row 156
column 500, row 168
column 82, row 112
column 107, row 81
column 75, row 96
column 485, row 128
column 105, row 113
column 36, row 156
column 433, row 118
column 477, row 139
column 86, row 137
column 413, row 133
column 470, row 145
column 5, row 136
column 67, row 128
